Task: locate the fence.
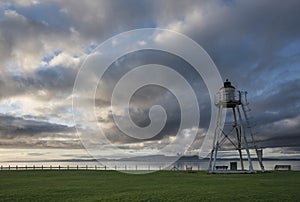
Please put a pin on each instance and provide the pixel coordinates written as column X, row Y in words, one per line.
column 53, row 167
column 97, row 167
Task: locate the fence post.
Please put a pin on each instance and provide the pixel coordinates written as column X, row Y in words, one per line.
column 68, row 167
column 8, row 167
column 1, row 167
column 50, row 167
column 42, row 167
column 86, row 167
column 95, row 167
column 115, row 167
column 125, row 167
column 33, row 167
column 77, row 167
column 58, row 167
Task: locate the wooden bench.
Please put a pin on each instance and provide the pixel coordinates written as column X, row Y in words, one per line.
column 283, row 167
column 221, row 167
column 189, row 169
column 174, row 168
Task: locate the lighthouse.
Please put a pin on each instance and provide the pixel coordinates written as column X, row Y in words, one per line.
column 236, row 134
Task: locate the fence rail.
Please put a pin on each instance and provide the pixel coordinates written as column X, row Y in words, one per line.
column 54, row 167
column 96, row 167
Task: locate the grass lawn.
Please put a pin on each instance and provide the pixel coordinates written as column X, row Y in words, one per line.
column 82, row 185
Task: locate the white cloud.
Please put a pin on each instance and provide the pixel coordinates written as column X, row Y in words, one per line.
column 65, row 59
column 26, row 3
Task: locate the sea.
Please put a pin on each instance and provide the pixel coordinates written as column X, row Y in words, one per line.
column 139, row 165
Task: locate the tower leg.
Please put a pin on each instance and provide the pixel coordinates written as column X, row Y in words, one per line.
column 238, row 137
column 210, row 160
column 245, row 141
column 259, row 157
column 213, row 156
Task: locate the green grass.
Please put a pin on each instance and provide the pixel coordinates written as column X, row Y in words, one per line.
column 158, row 186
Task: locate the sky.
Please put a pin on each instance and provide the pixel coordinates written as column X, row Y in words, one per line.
column 43, row 44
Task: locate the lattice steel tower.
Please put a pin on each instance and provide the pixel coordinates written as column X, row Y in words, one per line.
column 229, row 100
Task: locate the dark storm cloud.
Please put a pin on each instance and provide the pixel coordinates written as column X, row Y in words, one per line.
column 54, row 81
column 246, row 46
column 282, row 102
column 148, row 96
column 284, row 140
column 248, row 40
column 23, row 133
column 276, row 115
column 13, row 126
column 139, row 112
column 244, row 38
column 103, row 19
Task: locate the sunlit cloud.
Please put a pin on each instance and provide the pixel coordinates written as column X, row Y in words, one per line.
column 41, row 53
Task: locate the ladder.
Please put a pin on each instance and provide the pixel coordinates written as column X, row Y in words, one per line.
column 249, row 124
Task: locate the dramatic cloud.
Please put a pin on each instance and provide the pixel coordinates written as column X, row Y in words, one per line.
column 255, row 44
column 22, row 133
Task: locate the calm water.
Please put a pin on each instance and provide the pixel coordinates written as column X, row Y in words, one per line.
column 135, row 165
